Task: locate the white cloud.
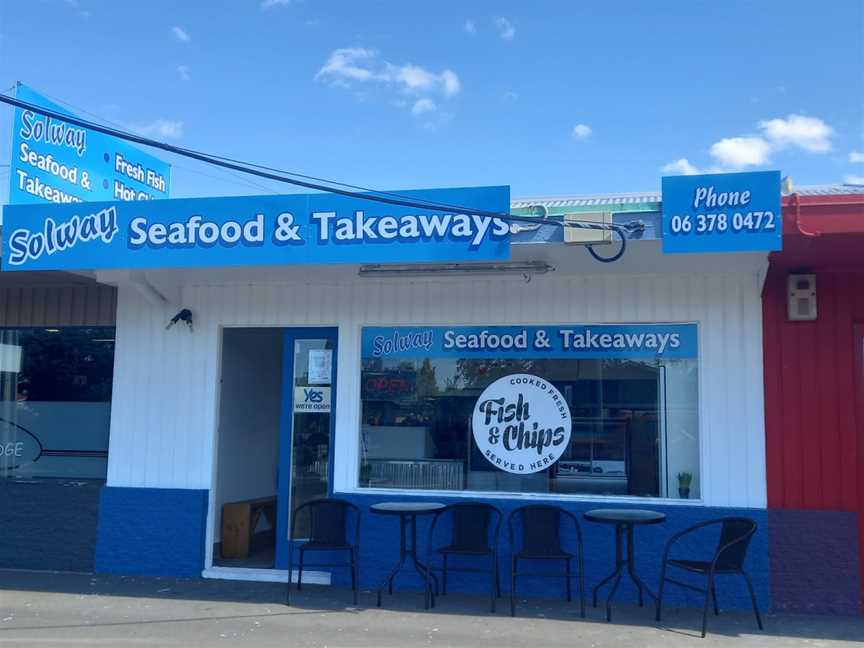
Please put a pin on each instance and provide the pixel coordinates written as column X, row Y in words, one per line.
column 741, row 152
column 470, row 27
column 347, row 64
column 181, row 34
column 423, row 105
column 809, row 133
column 856, row 156
column 853, row 179
column 159, row 128
column 581, row 131
column 451, row 83
column 506, row 29
column 681, row 166
column 269, row 4
column 74, row 4
column 348, row 67
column 183, row 72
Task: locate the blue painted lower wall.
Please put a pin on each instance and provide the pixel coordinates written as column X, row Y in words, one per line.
column 161, row 532
column 380, row 550
column 151, row 531
column 815, row 562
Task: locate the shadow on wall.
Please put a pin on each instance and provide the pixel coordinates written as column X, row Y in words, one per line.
column 49, row 524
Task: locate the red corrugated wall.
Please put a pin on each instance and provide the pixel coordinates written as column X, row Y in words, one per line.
column 812, row 427
column 814, row 371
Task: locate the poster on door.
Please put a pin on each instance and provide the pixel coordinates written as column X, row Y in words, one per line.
column 311, row 399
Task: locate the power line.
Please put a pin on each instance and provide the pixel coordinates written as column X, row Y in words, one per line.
column 119, row 126
column 331, row 186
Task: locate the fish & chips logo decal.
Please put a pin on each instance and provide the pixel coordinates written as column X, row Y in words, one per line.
column 521, row 424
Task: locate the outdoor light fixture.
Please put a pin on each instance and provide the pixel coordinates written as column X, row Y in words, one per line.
column 527, row 269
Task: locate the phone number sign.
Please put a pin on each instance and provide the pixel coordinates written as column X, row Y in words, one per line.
column 728, row 212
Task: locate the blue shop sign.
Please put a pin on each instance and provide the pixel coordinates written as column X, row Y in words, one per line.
column 562, row 341
column 255, row 230
column 56, row 162
column 730, row 212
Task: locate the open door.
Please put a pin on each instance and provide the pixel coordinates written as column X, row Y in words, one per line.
column 306, row 431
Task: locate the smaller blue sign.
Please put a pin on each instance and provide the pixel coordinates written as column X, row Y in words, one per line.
column 56, row 162
column 563, row 341
column 729, row 212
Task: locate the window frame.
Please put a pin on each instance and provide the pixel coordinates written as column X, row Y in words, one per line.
column 351, row 454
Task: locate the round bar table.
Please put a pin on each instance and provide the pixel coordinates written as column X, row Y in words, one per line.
column 624, row 521
column 407, row 512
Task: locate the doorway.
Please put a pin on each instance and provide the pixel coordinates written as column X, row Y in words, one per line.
column 274, row 439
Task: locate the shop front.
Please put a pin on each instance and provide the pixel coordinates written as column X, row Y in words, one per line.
column 507, row 368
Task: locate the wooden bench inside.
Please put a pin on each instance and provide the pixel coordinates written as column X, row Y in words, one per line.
column 239, row 520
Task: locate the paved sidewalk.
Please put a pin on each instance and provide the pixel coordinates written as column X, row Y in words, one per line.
column 44, row 609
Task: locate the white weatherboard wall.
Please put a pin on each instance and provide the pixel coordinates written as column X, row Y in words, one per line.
column 163, row 422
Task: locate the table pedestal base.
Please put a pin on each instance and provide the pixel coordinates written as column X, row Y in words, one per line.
column 622, row 562
column 408, row 549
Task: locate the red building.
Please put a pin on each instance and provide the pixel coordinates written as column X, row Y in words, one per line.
column 814, row 404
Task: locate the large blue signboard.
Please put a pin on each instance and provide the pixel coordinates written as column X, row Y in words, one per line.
column 562, row 341
column 730, row 212
column 56, row 162
column 255, row 230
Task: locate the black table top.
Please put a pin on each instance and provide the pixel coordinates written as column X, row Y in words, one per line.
column 406, row 508
column 624, row 516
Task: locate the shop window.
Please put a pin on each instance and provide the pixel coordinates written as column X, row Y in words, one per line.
column 531, row 410
column 55, row 400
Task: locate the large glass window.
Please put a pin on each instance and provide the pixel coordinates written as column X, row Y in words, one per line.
column 55, row 401
column 606, row 410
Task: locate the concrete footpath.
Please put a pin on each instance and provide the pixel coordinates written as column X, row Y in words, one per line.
column 47, row 609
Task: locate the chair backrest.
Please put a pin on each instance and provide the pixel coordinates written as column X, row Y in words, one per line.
column 471, row 525
column 327, row 521
column 735, row 536
column 541, row 529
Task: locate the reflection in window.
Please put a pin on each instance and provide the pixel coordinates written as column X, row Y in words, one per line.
column 55, row 399
column 634, row 425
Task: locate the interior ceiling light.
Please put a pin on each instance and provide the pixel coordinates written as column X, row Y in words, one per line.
column 527, row 269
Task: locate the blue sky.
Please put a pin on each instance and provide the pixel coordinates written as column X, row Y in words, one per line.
column 548, row 97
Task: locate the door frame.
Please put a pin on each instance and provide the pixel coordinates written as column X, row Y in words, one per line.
column 286, row 428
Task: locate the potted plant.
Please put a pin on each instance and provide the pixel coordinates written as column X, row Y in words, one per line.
column 684, row 479
column 365, row 473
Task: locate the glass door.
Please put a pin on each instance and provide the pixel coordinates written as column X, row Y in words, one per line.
column 308, row 415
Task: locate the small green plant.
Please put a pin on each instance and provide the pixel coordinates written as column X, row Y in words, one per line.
column 684, row 479
column 365, row 472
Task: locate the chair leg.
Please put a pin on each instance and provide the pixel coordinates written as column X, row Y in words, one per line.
column 497, row 577
column 354, row 579
column 290, row 567
column 581, row 583
column 753, row 599
column 714, row 598
column 567, row 574
column 705, row 608
column 660, row 592
column 300, row 570
column 493, row 583
column 444, row 577
column 513, row 587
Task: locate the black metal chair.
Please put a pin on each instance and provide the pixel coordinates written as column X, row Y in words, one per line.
column 728, row 558
column 475, row 530
column 328, row 531
column 540, row 539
